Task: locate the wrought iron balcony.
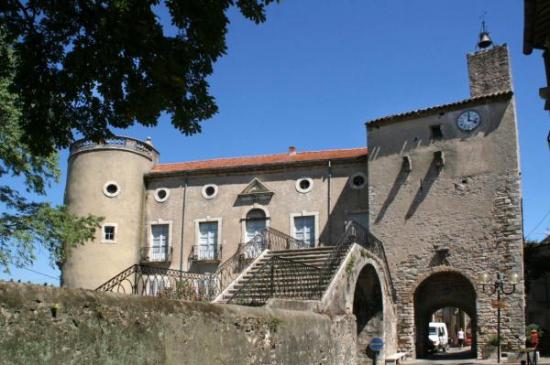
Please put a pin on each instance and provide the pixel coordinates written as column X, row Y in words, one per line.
column 160, row 254
column 206, row 253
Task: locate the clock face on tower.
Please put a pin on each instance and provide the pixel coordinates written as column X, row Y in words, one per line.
column 469, row 120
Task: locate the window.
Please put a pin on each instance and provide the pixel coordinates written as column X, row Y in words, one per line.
column 358, row 180
column 304, row 229
column 207, row 248
column 437, row 133
column 256, row 222
column 108, row 233
column 159, row 242
column 111, row 189
column 162, row 194
column 304, row 185
column 209, row 191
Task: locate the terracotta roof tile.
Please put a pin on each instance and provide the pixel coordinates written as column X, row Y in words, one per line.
column 262, row 160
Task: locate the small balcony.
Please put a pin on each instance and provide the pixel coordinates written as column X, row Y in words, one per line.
column 156, row 254
column 208, row 254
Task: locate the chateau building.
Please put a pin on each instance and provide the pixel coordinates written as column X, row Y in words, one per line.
column 438, row 191
column 191, row 216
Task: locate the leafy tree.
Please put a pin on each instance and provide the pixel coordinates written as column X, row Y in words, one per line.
column 88, row 65
column 24, row 223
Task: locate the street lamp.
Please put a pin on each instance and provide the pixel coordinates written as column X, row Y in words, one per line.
column 498, row 288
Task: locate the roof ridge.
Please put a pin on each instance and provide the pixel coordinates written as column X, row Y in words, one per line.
column 434, row 108
column 260, row 156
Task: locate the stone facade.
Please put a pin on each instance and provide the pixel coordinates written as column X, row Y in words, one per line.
column 451, row 203
column 489, row 71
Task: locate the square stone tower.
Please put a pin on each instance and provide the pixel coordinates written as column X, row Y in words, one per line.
column 445, row 200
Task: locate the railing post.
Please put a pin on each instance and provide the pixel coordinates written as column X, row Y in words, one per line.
column 272, row 276
column 137, row 271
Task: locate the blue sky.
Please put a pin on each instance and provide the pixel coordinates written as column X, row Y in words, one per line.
column 317, row 70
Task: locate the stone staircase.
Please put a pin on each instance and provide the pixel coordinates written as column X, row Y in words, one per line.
column 299, row 274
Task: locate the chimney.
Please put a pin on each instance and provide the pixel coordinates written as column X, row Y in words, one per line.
column 291, row 151
column 489, row 71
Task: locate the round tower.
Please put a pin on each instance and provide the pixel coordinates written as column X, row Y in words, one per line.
column 106, row 179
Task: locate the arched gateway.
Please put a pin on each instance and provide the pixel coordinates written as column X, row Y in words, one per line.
column 368, row 308
column 439, row 290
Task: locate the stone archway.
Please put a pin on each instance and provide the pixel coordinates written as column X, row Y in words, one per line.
column 368, row 308
column 443, row 289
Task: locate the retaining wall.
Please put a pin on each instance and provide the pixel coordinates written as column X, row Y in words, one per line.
column 44, row 325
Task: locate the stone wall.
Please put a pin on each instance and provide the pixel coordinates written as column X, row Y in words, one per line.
column 463, row 216
column 42, row 325
column 489, row 71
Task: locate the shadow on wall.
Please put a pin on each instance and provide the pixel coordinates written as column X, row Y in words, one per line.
column 399, row 181
column 425, row 185
column 350, row 204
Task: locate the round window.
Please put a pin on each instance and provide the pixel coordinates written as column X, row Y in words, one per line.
column 358, row 180
column 162, row 194
column 111, row 189
column 209, row 191
column 304, row 184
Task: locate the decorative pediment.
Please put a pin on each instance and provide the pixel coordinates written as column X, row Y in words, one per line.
column 256, row 188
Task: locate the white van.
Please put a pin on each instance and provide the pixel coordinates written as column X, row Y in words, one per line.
column 438, row 336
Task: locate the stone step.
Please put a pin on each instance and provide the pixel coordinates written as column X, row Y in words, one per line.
column 295, row 281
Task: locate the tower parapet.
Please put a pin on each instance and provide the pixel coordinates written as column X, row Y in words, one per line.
column 129, row 144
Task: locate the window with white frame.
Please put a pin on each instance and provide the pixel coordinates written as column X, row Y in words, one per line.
column 304, row 229
column 207, row 246
column 256, row 222
column 159, row 242
column 108, row 233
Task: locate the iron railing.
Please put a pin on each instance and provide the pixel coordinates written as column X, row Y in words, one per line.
column 159, row 282
column 278, row 277
column 205, row 253
column 356, row 233
column 281, row 277
column 269, row 238
column 156, row 254
column 376, row 246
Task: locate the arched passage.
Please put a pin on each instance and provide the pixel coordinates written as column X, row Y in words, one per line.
column 368, row 308
column 440, row 290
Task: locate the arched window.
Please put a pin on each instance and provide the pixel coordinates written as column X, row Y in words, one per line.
column 256, row 222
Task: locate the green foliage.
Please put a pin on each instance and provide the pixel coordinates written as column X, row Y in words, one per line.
column 87, row 66
column 350, row 266
column 274, row 324
column 24, row 223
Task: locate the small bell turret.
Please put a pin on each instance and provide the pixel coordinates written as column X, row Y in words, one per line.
column 484, row 38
